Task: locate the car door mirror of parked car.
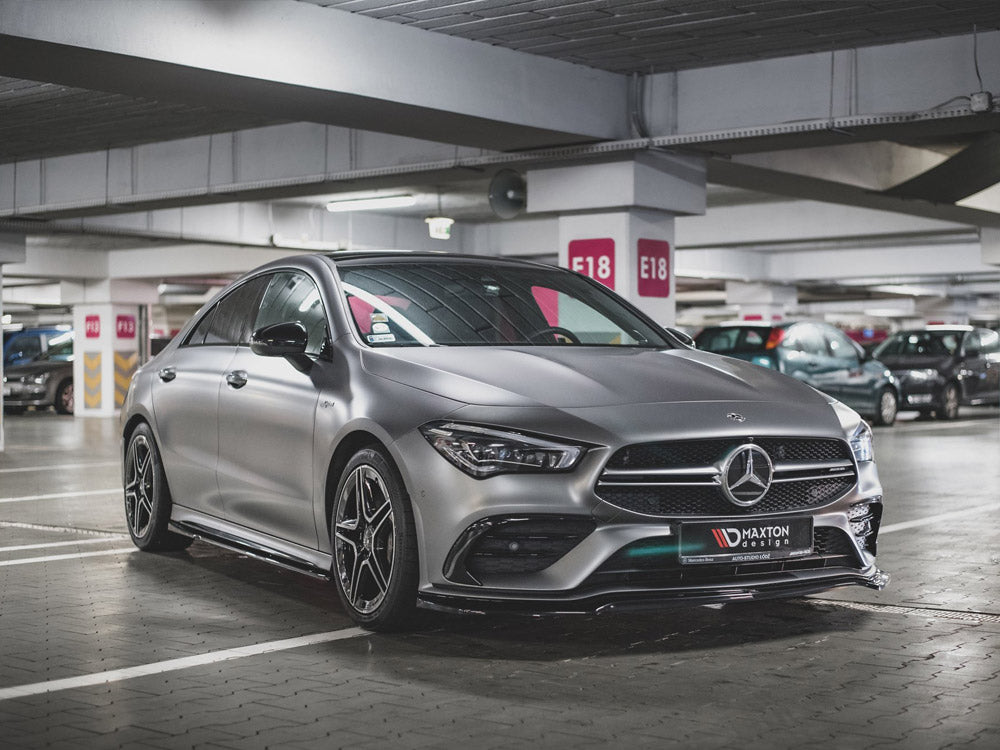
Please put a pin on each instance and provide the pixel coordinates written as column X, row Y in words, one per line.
column 280, row 340
column 972, row 352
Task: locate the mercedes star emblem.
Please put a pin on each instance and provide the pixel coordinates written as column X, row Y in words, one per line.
column 746, row 475
column 736, row 417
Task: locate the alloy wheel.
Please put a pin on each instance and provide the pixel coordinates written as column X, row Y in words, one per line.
column 139, row 486
column 364, row 539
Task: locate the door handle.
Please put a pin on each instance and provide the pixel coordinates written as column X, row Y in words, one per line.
column 237, row 378
column 167, row 374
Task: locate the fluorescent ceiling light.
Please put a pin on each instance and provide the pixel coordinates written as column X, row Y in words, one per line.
column 371, row 204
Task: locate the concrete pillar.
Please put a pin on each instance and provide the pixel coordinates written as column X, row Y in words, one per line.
column 767, row 303
column 12, row 250
column 616, row 221
column 631, row 252
column 109, row 318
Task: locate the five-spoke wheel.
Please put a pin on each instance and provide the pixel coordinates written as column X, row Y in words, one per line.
column 374, row 543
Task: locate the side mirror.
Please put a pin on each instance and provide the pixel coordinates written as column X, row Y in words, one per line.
column 280, row 340
column 681, row 336
column 972, row 352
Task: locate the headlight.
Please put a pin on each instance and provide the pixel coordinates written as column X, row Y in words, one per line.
column 484, row 451
column 41, row 378
column 861, row 443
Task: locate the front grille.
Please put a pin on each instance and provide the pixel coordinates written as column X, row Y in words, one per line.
column 683, row 478
column 524, row 545
column 655, row 563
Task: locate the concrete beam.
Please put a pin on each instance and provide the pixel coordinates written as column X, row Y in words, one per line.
column 298, row 61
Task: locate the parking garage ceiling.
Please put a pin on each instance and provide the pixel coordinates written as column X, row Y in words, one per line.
column 61, row 110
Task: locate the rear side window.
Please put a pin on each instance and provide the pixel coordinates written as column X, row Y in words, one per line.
column 989, row 341
column 229, row 320
column 806, row 338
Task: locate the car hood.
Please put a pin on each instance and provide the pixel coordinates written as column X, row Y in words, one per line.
column 583, row 377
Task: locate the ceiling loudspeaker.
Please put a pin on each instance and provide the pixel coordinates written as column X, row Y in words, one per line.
column 508, row 193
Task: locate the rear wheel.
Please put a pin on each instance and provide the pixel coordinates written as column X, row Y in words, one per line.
column 888, row 406
column 374, row 543
column 147, row 497
column 949, row 402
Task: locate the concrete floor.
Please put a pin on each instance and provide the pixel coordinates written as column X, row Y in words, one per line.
column 105, row 647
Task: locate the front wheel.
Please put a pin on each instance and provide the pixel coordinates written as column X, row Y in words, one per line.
column 147, row 497
column 64, row 397
column 374, row 543
column 888, row 406
column 949, row 402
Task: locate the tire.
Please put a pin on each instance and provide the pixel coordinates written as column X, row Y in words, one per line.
column 888, row 407
column 949, row 402
column 64, row 397
column 374, row 544
column 147, row 497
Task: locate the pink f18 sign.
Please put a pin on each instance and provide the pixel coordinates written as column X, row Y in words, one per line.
column 594, row 258
column 92, row 326
column 653, row 278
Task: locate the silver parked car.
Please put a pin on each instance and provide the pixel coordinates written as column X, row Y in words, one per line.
column 478, row 434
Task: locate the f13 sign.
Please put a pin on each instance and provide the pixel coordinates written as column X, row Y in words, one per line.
column 653, row 278
column 125, row 326
column 594, row 258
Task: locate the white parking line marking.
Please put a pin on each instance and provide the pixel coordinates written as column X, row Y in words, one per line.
column 936, row 519
column 172, row 665
column 47, row 545
column 49, row 467
column 57, row 495
column 54, row 558
column 59, row 529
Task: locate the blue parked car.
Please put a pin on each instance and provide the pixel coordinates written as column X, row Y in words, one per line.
column 20, row 347
column 816, row 353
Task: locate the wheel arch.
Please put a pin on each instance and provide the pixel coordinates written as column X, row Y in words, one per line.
column 351, row 444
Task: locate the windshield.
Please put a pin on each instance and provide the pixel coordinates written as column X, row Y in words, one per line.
column 920, row 344
column 471, row 304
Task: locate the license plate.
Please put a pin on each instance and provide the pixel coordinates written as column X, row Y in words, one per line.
column 745, row 541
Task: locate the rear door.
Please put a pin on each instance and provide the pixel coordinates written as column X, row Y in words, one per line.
column 186, row 399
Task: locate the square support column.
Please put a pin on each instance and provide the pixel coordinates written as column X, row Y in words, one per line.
column 630, row 252
column 110, row 323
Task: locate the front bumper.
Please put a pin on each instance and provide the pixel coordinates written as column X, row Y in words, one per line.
column 22, row 395
column 627, row 599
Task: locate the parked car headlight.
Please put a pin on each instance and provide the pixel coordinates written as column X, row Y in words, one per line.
column 861, row 443
column 485, row 451
column 40, row 379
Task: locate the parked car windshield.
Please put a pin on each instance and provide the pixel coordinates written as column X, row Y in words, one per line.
column 732, row 339
column 469, row 304
column 920, row 344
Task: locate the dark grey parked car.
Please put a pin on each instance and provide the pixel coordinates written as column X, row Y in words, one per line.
column 474, row 434
column 45, row 381
column 942, row 367
column 816, row 353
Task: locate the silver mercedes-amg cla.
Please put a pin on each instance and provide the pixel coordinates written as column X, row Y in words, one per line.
column 476, row 434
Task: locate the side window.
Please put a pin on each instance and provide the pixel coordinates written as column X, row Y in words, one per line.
column 806, row 339
column 990, row 342
column 839, row 345
column 228, row 322
column 293, row 297
column 197, row 336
